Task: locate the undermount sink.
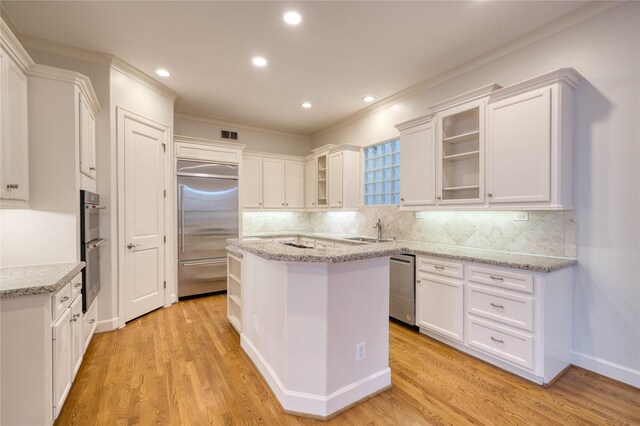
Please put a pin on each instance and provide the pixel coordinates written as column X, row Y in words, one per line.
column 367, row 240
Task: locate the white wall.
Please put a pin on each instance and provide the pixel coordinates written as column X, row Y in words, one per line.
column 605, row 50
column 256, row 139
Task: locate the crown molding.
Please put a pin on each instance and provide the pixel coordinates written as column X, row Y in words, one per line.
column 414, row 122
column 48, row 46
column 209, row 142
column 345, row 147
column 66, row 76
column 569, row 76
column 13, row 47
column 144, row 79
column 580, row 15
column 322, row 148
column 471, row 95
column 238, row 124
column 276, row 156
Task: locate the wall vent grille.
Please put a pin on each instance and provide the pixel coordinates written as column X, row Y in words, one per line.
column 228, row 135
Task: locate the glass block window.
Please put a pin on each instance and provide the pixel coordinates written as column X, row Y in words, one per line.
column 382, row 173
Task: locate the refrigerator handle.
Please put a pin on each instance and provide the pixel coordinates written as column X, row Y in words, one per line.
column 182, row 218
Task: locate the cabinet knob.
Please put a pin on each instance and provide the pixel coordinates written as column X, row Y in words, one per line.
column 402, row 199
column 131, row 245
column 339, row 202
column 438, row 198
column 418, row 281
column 489, row 195
column 13, row 186
column 259, row 204
column 313, row 204
column 92, row 168
column 282, row 204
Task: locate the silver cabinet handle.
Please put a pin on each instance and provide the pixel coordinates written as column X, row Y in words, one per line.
column 286, row 204
column 282, row 204
column 438, row 198
column 402, row 199
column 92, row 168
column 259, row 204
column 489, row 195
column 78, row 285
column 92, row 321
column 418, row 281
column 64, row 299
column 497, row 340
column 496, row 306
column 13, row 186
column 131, row 245
column 438, row 267
column 496, row 278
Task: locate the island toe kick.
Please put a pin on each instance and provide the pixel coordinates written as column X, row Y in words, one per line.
column 317, row 332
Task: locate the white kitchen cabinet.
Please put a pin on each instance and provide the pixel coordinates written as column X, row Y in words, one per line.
column 321, row 179
column 439, row 301
column 77, row 334
column 62, row 358
column 234, row 291
column 198, row 149
column 14, row 177
column 251, row 182
column 530, row 143
column 294, row 184
column 87, row 135
column 90, row 322
column 417, row 162
column 273, row 181
column 343, row 177
column 310, row 183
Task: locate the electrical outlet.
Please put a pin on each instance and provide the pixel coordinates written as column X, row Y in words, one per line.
column 255, row 323
column 421, row 215
column 520, row 216
column 360, row 351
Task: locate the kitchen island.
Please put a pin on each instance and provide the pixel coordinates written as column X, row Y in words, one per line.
column 317, row 330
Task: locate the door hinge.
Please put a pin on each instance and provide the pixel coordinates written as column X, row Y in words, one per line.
column 165, row 285
column 164, row 147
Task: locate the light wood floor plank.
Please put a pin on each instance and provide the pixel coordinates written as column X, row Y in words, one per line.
column 183, row 366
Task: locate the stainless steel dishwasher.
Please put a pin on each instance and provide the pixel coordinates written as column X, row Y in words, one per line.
column 402, row 288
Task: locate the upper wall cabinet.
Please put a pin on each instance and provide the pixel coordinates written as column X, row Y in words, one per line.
column 87, row 135
column 417, row 162
column 272, row 182
column 530, row 142
column 14, row 143
column 343, row 177
column 496, row 148
column 310, row 183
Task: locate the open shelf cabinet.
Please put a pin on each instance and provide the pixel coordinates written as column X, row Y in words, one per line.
column 234, row 291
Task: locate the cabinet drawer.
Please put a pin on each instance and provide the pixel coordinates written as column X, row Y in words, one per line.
column 76, row 286
column 439, row 267
column 90, row 321
column 507, row 308
column 498, row 278
column 510, row 345
column 60, row 301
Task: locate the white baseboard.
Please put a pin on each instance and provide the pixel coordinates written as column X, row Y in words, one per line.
column 607, row 368
column 107, row 325
column 316, row 405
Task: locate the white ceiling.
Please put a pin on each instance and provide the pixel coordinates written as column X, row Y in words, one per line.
column 340, row 52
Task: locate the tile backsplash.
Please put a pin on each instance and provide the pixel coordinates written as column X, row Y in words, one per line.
column 549, row 233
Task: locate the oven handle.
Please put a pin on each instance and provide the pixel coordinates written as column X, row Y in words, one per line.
column 94, row 243
column 94, row 207
column 217, row 261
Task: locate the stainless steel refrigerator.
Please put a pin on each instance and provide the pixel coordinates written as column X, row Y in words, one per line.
column 207, row 216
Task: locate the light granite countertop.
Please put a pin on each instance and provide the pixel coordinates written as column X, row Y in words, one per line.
column 359, row 251
column 36, row 279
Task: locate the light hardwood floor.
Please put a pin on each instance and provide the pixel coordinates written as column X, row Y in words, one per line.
column 183, row 366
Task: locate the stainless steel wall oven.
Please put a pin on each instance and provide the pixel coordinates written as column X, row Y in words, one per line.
column 90, row 246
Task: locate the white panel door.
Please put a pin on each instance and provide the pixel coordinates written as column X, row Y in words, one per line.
column 310, row 184
column 77, row 334
column 14, row 176
column 418, row 166
column 273, row 183
column 62, row 369
column 144, row 169
column 294, row 186
column 335, row 179
column 251, row 182
column 440, row 306
column 519, row 148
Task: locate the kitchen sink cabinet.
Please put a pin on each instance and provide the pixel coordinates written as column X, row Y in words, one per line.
column 14, row 143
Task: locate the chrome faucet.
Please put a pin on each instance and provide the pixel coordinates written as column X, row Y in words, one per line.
column 378, row 226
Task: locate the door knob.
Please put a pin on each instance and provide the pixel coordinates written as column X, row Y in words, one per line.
column 130, row 245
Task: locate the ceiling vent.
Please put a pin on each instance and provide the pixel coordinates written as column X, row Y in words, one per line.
column 228, row 135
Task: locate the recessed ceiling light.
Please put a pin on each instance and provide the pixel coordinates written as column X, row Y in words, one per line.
column 162, row 72
column 368, row 99
column 292, row 18
column 259, row 62
column 306, row 105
